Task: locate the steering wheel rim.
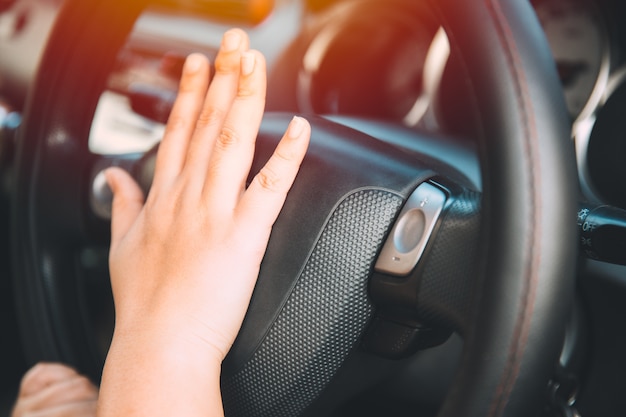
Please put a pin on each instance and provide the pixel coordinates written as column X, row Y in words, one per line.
column 529, row 193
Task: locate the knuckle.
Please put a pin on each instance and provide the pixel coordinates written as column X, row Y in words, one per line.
column 246, row 90
column 209, row 116
column 40, row 373
column 38, row 369
column 269, row 180
column 227, row 138
column 187, row 86
column 22, row 410
column 227, row 63
column 285, row 154
column 83, row 388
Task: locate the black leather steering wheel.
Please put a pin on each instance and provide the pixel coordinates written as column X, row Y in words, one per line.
column 318, row 299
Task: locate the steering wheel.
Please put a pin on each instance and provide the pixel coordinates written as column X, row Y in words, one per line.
column 493, row 265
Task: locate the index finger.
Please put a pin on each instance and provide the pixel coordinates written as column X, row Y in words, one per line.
column 193, row 86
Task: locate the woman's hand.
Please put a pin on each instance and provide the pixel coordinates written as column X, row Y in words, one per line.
column 55, row 390
column 184, row 263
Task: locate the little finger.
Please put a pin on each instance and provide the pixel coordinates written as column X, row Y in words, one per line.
column 262, row 201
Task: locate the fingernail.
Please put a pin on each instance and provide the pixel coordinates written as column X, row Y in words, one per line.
column 193, row 63
column 247, row 63
column 231, row 41
column 296, row 127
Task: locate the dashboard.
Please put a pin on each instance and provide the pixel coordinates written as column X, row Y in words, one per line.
column 337, row 65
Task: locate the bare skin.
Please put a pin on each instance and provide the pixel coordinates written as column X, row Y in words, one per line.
column 55, row 390
column 184, row 261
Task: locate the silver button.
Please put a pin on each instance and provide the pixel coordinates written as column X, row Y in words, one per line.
column 101, row 196
column 410, row 234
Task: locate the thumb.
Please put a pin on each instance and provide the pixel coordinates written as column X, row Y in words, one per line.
column 128, row 201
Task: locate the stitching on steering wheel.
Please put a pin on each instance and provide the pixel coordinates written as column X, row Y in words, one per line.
column 522, row 324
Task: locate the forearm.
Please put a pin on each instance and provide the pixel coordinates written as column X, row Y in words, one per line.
column 160, row 373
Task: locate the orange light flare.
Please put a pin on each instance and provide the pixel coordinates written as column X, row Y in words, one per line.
column 251, row 12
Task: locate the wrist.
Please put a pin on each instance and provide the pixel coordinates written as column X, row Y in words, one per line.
column 151, row 360
column 168, row 339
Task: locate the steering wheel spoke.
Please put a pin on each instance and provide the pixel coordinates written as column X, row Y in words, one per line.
column 139, row 165
column 421, row 307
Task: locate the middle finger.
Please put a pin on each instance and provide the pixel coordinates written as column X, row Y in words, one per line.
column 218, row 102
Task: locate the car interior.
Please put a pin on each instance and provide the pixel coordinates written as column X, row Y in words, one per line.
column 455, row 243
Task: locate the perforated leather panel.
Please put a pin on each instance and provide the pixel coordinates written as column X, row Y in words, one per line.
column 324, row 317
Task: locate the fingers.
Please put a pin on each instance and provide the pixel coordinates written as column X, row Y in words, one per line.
column 233, row 150
column 220, row 97
column 264, row 198
column 182, row 120
column 209, row 142
column 78, row 409
column 128, row 201
column 73, row 389
column 50, row 389
column 42, row 375
column 199, row 110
